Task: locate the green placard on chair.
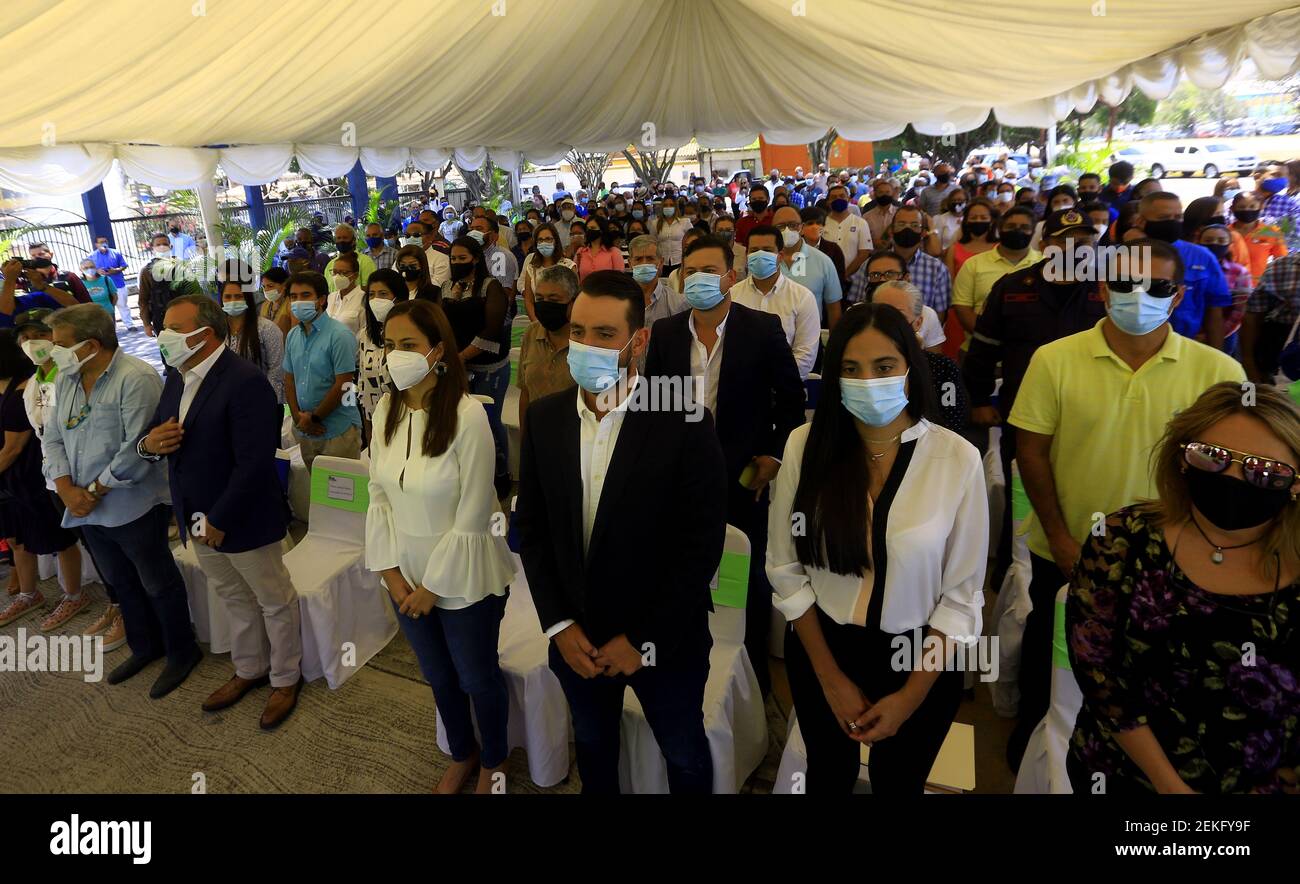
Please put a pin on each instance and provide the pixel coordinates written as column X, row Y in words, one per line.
column 514, row 373
column 1020, row 508
column 517, row 335
column 1060, row 652
column 733, row 581
column 343, row 491
column 1294, row 390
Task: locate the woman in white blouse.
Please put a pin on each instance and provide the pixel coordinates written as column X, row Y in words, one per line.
column 669, row 230
column 878, row 534
column 546, row 252
column 433, row 531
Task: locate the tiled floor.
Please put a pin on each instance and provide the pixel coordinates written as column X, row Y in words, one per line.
column 135, row 342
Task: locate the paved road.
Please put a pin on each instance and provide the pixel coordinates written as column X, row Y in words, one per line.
column 1272, row 147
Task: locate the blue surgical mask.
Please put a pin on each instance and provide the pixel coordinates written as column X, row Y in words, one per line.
column 875, row 401
column 304, row 311
column 761, row 264
column 703, row 291
column 638, row 214
column 546, row 249
column 477, row 236
column 595, row 369
column 669, row 211
column 235, row 308
column 645, row 273
column 1230, row 194
column 1137, row 313
column 1273, row 185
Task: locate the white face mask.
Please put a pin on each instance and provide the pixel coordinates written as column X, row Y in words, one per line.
column 66, row 358
column 272, row 295
column 381, row 307
column 175, row 347
column 162, row 250
column 38, row 350
column 791, row 238
column 341, row 282
column 407, row 368
column 410, row 241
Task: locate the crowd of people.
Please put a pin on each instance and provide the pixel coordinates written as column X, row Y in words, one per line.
column 1130, row 350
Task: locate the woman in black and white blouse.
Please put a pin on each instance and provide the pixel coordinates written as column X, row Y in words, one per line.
column 878, row 534
column 384, row 288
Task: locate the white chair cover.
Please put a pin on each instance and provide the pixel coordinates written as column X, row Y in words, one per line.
column 47, row 566
column 1042, row 770
column 346, row 615
column 1010, row 611
column 735, row 720
column 539, row 714
column 996, row 484
column 207, row 610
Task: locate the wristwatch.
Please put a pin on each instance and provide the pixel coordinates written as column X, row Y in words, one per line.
column 95, row 489
column 140, row 450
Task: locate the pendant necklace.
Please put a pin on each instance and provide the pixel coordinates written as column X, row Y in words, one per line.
column 889, row 442
column 1217, row 555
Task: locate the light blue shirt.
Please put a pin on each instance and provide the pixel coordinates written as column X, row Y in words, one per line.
column 813, row 270
column 101, row 447
column 315, row 360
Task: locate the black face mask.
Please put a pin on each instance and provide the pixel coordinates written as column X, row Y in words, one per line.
column 1016, row 240
column 907, row 237
column 885, row 200
column 551, row 314
column 1166, row 231
column 942, row 177
column 345, row 245
column 409, row 273
column 1231, row 503
column 1217, row 219
column 757, row 208
column 1248, row 216
column 462, row 270
column 977, row 228
column 1218, row 250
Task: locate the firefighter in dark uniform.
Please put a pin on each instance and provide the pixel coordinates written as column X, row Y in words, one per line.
column 1058, row 296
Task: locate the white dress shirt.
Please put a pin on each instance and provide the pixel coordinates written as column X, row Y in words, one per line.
column 193, row 378
column 439, row 267
column 348, row 309
column 796, row 307
column 437, row 518
column 931, row 329
column 706, row 366
column 936, row 543
column 596, row 440
column 670, row 239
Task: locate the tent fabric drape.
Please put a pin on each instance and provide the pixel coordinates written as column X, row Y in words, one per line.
column 243, row 87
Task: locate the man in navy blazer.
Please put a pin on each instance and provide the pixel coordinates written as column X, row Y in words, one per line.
column 743, row 371
column 218, row 426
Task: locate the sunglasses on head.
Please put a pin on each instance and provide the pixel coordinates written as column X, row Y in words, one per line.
column 1271, row 475
column 1156, row 288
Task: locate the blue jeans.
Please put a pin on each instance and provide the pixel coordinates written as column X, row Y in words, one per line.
column 457, row 651
column 673, row 701
column 136, row 559
column 495, row 384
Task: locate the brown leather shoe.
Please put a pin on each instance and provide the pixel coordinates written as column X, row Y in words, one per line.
column 232, row 692
column 281, row 703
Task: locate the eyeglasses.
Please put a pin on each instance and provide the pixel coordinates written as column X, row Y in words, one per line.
column 884, row 276
column 1271, row 475
column 1156, row 288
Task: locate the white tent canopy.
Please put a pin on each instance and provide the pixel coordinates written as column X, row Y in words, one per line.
column 159, row 84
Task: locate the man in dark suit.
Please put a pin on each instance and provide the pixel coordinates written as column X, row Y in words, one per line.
column 217, row 425
column 622, row 518
column 743, row 370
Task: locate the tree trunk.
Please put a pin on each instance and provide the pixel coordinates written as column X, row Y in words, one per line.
column 819, row 151
column 590, row 168
column 655, row 165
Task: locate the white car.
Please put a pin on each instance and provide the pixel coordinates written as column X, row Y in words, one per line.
column 1212, row 159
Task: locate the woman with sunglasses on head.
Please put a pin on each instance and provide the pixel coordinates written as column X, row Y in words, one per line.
column 1180, row 618
column 413, row 264
column 431, row 533
column 878, row 535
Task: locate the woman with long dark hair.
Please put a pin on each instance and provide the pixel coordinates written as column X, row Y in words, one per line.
column 546, row 251
column 431, row 534
column 253, row 337
column 413, row 264
column 385, row 289
column 476, row 305
column 878, row 536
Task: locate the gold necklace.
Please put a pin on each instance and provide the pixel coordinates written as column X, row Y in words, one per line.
column 889, row 442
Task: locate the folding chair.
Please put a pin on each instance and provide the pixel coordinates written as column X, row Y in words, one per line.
column 735, row 720
column 1012, row 606
column 1042, row 770
column 346, row 616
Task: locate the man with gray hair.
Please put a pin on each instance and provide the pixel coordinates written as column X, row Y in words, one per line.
column 949, row 391
column 226, row 498
column 647, row 264
column 345, row 239
column 105, row 399
column 544, row 349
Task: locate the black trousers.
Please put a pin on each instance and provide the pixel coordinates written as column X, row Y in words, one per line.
column 900, row 764
column 1036, row 654
column 104, row 581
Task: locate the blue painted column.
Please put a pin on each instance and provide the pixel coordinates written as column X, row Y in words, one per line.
column 359, row 192
column 256, row 207
column 95, row 205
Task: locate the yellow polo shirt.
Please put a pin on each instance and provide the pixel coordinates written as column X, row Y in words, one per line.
column 1104, row 418
column 976, row 278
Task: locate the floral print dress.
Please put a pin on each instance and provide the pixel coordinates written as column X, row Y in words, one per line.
column 1216, row 677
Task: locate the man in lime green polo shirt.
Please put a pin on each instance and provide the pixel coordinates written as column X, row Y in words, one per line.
column 976, row 278
column 1089, row 411
column 345, row 238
